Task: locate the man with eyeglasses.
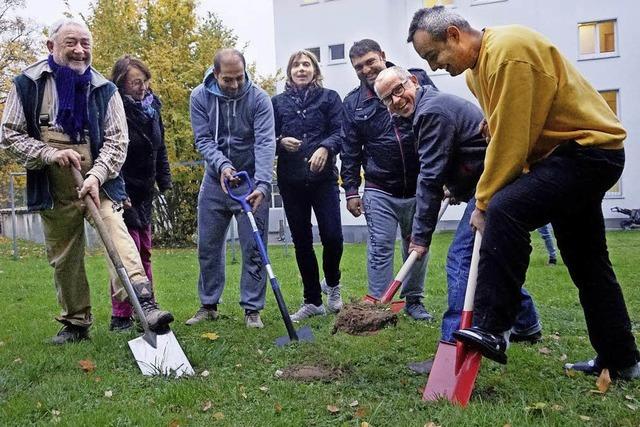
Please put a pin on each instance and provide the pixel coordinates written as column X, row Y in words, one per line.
column 385, row 147
column 451, row 148
column 61, row 113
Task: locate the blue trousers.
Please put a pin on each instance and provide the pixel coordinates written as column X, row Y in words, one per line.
column 545, row 233
column 323, row 198
column 215, row 209
column 458, row 266
column 384, row 214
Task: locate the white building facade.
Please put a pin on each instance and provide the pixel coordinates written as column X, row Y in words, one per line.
column 599, row 37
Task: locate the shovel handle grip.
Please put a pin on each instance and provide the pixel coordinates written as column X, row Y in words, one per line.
column 235, row 194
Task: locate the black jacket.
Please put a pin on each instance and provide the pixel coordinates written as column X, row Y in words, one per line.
column 451, row 150
column 382, row 144
column 146, row 163
column 316, row 121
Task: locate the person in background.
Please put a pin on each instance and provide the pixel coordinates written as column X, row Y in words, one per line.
column 547, row 237
column 308, row 133
column 145, row 166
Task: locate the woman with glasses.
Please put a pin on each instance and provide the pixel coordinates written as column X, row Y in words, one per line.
column 308, row 123
column 146, row 165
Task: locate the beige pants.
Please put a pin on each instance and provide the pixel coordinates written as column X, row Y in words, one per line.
column 65, row 243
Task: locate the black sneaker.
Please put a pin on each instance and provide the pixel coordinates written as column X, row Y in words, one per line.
column 529, row 339
column 71, row 333
column 490, row 345
column 120, row 324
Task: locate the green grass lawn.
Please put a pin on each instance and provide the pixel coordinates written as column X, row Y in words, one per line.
column 43, row 384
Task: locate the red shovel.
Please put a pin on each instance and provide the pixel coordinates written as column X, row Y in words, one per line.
column 455, row 366
column 393, row 287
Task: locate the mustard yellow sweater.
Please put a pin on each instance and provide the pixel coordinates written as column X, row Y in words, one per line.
column 534, row 99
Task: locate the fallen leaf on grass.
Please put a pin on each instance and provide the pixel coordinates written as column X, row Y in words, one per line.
column 584, row 418
column 277, row 407
column 204, row 373
column 260, row 352
column 364, row 424
column 570, row 373
column 604, row 381
column 632, row 407
column 210, row 335
column 353, row 404
column 545, row 351
column 55, row 412
column 361, row 412
column 264, row 388
column 218, row 416
column 18, row 360
column 206, row 406
column 1, row 343
column 87, row 365
column 333, row 409
column 39, row 405
column 629, row 397
column 278, row 373
column 174, row 423
column 538, row 406
column 557, row 408
column 239, row 365
column 563, row 358
column 431, row 424
column 97, row 379
column 108, row 393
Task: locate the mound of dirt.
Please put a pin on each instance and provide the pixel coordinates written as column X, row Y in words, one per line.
column 308, row 373
column 360, row 318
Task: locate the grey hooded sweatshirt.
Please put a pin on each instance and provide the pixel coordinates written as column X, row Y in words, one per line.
column 234, row 132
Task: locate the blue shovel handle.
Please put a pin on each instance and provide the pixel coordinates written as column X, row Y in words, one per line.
column 238, row 197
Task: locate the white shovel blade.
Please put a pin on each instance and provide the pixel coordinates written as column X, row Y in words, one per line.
column 167, row 359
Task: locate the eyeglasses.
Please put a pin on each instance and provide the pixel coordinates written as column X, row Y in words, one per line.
column 138, row 83
column 396, row 91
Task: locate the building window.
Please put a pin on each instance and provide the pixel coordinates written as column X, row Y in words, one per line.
column 611, row 96
column 597, row 39
column 315, row 51
column 276, row 198
column 431, row 3
column 336, row 53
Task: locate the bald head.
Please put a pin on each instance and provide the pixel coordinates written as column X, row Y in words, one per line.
column 396, row 88
column 229, row 71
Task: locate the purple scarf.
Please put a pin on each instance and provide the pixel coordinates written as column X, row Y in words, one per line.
column 72, row 99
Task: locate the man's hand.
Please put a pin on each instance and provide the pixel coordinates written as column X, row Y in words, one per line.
column 484, row 130
column 354, row 205
column 290, row 144
column 227, row 174
column 477, row 220
column 64, row 158
column 90, row 186
column 255, row 199
column 452, row 200
column 318, row 160
column 127, row 203
column 419, row 250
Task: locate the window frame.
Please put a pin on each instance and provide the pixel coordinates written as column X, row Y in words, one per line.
column 615, row 194
column 308, row 2
column 597, row 54
column 452, row 5
column 319, row 55
column 343, row 60
column 483, row 2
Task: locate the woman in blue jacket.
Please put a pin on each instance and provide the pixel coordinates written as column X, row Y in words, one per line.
column 307, row 125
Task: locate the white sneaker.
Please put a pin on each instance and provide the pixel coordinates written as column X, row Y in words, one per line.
column 308, row 310
column 252, row 319
column 334, row 299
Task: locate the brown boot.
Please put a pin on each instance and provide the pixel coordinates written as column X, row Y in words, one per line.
column 157, row 319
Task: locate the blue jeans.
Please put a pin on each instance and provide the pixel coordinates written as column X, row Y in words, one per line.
column 384, row 214
column 215, row 209
column 323, row 198
column 458, row 265
column 545, row 233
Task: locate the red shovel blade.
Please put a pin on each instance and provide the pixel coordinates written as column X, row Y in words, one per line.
column 444, row 382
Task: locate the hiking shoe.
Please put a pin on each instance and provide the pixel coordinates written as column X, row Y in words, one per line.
column 203, row 313
column 417, row 311
column 334, row 299
column 252, row 319
column 157, row 319
column 71, row 333
column 308, row 310
column 553, row 261
column 120, row 324
column 593, row 367
column 529, row 339
column 492, row 346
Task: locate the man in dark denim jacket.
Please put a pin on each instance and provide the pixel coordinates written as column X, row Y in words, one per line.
column 385, row 147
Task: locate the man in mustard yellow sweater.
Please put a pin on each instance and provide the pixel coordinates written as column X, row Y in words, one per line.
column 555, row 149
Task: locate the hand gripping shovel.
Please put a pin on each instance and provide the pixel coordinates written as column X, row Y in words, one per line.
column 393, row 287
column 155, row 354
column 303, row 334
column 455, row 366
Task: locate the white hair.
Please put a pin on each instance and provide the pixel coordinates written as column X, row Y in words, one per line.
column 395, row 70
column 55, row 28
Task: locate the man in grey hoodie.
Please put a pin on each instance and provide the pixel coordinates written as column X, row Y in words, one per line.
column 232, row 120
